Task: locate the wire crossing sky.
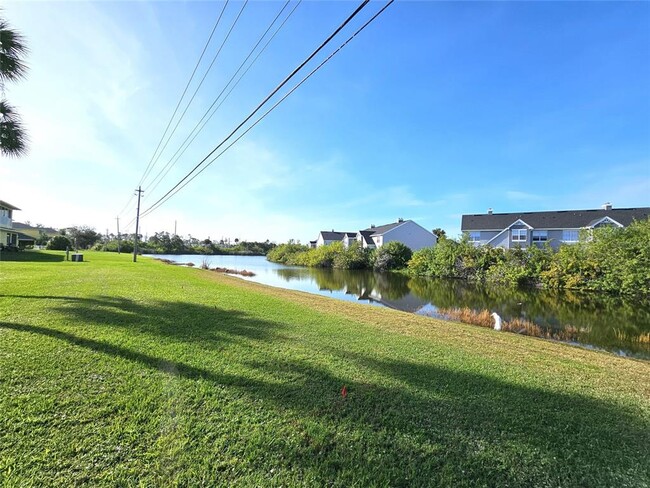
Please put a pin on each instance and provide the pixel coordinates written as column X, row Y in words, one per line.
column 177, row 187
column 215, row 106
column 435, row 110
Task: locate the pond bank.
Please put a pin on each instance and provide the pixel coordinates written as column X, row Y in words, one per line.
column 611, row 323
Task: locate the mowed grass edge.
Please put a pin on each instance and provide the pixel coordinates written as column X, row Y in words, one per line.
column 115, row 373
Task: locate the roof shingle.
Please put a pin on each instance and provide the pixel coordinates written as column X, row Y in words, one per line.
column 562, row 219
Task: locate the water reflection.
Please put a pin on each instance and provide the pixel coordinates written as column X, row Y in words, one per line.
column 600, row 320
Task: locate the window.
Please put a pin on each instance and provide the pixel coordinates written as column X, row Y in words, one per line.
column 519, row 235
column 475, row 236
column 540, row 236
column 570, row 236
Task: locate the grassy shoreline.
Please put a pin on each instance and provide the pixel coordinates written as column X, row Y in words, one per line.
column 114, row 373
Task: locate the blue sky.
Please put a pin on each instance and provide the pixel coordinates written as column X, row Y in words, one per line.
column 437, row 109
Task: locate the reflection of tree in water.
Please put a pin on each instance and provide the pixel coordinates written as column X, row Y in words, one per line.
column 603, row 320
column 293, row 274
column 359, row 283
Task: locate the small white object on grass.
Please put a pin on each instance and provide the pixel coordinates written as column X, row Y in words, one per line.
column 497, row 321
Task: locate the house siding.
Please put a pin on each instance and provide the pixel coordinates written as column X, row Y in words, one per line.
column 523, row 244
column 503, row 240
column 411, row 235
column 485, row 237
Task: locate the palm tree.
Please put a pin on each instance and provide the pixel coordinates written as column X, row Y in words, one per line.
column 12, row 68
column 12, row 134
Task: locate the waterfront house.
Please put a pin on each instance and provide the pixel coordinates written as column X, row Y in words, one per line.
column 407, row 232
column 326, row 237
column 523, row 229
column 8, row 236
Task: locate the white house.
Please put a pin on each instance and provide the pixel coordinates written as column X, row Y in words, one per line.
column 8, row 236
column 327, row 237
column 407, row 232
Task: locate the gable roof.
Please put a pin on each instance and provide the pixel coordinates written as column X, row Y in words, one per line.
column 366, row 235
column 47, row 230
column 563, row 219
column 382, row 229
column 332, row 235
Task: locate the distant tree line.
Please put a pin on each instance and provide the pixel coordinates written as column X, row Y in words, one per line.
column 613, row 260
column 159, row 243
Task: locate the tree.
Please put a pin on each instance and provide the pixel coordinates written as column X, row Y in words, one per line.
column 84, row 237
column 12, row 68
column 59, row 243
column 439, row 233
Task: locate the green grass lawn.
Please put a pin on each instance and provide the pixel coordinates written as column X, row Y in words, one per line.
column 121, row 374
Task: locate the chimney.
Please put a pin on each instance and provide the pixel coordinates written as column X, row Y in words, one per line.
column 400, row 220
column 372, row 226
column 607, row 206
column 490, row 211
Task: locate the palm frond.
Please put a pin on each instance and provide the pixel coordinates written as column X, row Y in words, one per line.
column 12, row 49
column 13, row 138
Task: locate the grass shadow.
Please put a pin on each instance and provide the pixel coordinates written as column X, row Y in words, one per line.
column 443, row 427
column 178, row 321
column 31, row 256
column 402, row 423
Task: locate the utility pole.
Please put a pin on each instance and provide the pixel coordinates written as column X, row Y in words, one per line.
column 118, row 235
column 174, row 227
column 137, row 227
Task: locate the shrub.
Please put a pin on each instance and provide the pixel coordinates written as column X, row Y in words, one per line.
column 285, row 253
column 59, row 243
column 393, row 255
column 320, row 257
column 354, row 257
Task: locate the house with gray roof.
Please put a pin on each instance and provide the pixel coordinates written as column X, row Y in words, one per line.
column 407, row 232
column 326, row 237
column 523, row 229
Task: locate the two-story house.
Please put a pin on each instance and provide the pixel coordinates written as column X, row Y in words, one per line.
column 8, row 236
column 508, row 230
column 407, row 232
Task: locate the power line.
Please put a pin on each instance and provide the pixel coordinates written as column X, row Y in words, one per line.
column 202, row 80
column 268, row 97
column 212, row 109
column 159, row 202
column 125, row 206
column 187, row 85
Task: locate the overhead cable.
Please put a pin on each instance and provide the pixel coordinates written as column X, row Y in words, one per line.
column 187, row 85
column 209, row 113
column 261, row 104
column 202, row 79
column 161, row 202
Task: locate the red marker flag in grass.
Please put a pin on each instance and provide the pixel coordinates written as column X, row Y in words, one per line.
column 344, row 391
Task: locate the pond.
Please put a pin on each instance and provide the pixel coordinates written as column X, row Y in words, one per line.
column 597, row 320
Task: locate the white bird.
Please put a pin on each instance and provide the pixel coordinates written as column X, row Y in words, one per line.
column 497, row 321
